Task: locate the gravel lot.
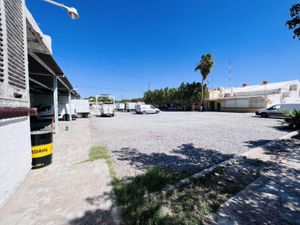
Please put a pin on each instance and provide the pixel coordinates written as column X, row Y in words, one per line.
column 180, row 140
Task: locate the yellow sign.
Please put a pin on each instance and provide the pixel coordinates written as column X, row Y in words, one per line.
column 42, row 150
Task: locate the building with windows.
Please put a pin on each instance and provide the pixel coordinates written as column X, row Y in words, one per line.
column 250, row 98
column 29, row 75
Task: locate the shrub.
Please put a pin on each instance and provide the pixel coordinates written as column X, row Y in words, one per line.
column 293, row 119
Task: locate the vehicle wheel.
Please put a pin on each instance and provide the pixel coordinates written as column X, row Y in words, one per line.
column 66, row 117
column 264, row 115
column 144, row 112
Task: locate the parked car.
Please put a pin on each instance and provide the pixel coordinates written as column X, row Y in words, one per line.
column 146, row 109
column 278, row 111
column 174, row 109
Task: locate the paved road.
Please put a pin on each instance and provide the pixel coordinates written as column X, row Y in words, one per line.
column 180, row 140
column 67, row 192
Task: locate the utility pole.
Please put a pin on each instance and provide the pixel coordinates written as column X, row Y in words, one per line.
column 230, row 72
column 149, row 86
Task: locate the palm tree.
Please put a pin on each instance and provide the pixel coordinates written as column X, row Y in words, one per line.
column 204, row 66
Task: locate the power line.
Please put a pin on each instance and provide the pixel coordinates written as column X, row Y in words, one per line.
column 230, row 72
column 111, row 89
column 101, row 67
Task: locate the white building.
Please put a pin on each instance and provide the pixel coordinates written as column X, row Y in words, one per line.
column 27, row 72
column 250, row 98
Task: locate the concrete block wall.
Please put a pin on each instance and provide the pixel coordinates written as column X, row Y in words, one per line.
column 15, row 155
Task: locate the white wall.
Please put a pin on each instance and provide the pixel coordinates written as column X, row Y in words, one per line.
column 15, row 155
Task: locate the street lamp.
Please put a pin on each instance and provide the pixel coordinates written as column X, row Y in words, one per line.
column 265, row 82
column 71, row 10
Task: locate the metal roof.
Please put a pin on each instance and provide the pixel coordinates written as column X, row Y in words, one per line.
column 42, row 65
column 262, row 87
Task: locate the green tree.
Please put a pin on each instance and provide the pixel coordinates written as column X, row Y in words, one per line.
column 204, row 66
column 294, row 22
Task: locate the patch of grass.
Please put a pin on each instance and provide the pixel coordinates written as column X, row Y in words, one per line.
column 142, row 201
column 100, row 152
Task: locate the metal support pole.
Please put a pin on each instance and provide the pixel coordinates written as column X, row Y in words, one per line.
column 70, row 105
column 55, row 104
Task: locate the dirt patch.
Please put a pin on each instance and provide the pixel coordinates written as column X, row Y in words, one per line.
column 201, row 198
column 144, row 202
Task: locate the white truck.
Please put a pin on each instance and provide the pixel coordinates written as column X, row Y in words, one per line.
column 130, row 106
column 82, row 107
column 107, row 109
column 120, row 106
column 46, row 112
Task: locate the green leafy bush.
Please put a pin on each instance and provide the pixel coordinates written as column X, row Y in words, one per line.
column 293, row 119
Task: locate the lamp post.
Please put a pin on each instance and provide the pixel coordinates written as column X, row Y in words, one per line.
column 265, row 82
column 72, row 12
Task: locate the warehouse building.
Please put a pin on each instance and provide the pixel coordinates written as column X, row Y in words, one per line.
column 29, row 76
column 250, row 98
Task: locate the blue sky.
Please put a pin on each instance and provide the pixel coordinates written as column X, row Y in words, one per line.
column 120, row 46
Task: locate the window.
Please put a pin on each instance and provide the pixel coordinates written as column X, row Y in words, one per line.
column 275, row 107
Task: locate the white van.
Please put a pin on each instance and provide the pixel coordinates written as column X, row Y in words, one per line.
column 278, row 110
column 146, row 109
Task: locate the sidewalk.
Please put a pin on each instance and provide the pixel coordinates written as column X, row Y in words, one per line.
column 274, row 198
column 69, row 191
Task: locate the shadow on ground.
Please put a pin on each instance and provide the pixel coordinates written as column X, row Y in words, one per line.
column 274, row 197
column 98, row 216
column 185, row 158
column 271, row 199
column 271, row 195
column 283, row 149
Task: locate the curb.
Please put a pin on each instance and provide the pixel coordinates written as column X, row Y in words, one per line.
column 211, row 169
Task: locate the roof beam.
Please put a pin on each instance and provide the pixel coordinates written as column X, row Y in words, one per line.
column 40, row 61
column 41, row 74
column 41, row 84
column 60, row 80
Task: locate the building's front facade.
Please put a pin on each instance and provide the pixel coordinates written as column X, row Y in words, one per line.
column 251, row 98
column 28, row 76
column 15, row 145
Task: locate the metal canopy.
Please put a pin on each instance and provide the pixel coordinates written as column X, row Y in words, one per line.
column 42, row 65
column 42, row 68
column 48, row 59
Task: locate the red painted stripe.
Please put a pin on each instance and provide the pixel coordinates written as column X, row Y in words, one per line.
column 8, row 112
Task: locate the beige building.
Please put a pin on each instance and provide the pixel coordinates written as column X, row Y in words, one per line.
column 251, row 98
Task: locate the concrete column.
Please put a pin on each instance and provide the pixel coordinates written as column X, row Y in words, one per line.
column 70, row 105
column 55, row 104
